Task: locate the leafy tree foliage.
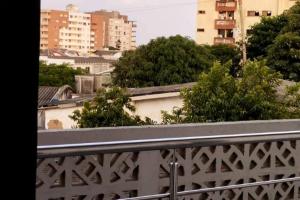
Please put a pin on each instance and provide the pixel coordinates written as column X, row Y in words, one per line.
column 108, row 109
column 293, row 19
column 263, row 34
column 220, row 97
column 162, row 61
column 284, row 55
column 58, row 75
column 225, row 53
column 277, row 39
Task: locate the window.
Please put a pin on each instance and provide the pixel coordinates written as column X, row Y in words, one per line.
column 200, row 30
column 229, row 33
column 253, row 13
column 266, row 13
column 201, row 12
column 221, row 33
column 231, row 15
column 222, row 15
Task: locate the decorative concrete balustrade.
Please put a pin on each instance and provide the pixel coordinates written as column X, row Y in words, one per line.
column 242, row 160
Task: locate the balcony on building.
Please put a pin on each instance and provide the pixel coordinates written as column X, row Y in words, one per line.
column 227, row 23
column 226, row 5
column 226, row 40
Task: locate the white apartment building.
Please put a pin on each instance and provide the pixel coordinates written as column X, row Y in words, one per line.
column 120, row 34
column 77, row 35
column 220, row 21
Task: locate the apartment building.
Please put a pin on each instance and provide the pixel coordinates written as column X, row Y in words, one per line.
column 221, row 21
column 119, row 31
column 85, row 32
column 98, row 25
column 51, row 22
column 68, row 29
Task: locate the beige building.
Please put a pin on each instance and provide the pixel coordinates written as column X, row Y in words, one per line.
column 119, row 31
column 77, row 36
column 220, row 21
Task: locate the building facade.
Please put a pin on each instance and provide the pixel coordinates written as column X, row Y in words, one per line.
column 119, row 31
column 85, row 32
column 68, row 29
column 221, row 21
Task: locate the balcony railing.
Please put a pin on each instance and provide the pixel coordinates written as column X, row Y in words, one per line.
column 220, row 40
column 224, row 24
column 242, row 160
column 226, row 6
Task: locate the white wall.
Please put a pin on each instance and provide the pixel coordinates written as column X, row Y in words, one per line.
column 61, row 114
column 152, row 105
column 146, row 106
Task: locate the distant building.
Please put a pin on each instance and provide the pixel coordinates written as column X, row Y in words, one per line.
column 219, row 21
column 96, row 64
column 85, row 32
column 68, row 29
column 119, row 31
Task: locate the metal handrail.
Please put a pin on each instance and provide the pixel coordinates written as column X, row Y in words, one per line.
column 215, row 189
column 161, row 143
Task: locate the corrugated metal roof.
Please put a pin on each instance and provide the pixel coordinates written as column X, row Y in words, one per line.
column 46, row 94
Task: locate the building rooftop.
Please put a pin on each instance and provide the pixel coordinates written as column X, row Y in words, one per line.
column 159, row 89
column 73, row 55
column 147, row 91
column 49, row 96
column 46, row 94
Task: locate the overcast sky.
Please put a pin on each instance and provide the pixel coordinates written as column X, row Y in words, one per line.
column 154, row 18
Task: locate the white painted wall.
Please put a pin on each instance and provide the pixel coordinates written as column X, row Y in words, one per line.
column 146, row 106
column 61, row 114
column 152, row 105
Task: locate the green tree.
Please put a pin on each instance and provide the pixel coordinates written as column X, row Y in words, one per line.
column 284, row 55
column 58, row 75
column 108, row 108
column 277, row 39
column 225, row 53
column 218, row 96
column 262, row 35
column 291, row 100
column 293, row 19
column 162, row 61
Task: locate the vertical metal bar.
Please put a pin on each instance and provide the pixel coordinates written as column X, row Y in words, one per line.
column 173, row 177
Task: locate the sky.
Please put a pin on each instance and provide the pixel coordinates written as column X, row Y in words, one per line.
column 154, row 18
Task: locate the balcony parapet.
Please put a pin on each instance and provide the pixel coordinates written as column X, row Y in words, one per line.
column 226, row 6
column 225, row 23
column 128, row 162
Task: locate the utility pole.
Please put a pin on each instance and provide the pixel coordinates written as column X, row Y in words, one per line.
column 242, row 31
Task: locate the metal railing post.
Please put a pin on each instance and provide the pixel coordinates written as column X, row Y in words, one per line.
column 173, row 177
